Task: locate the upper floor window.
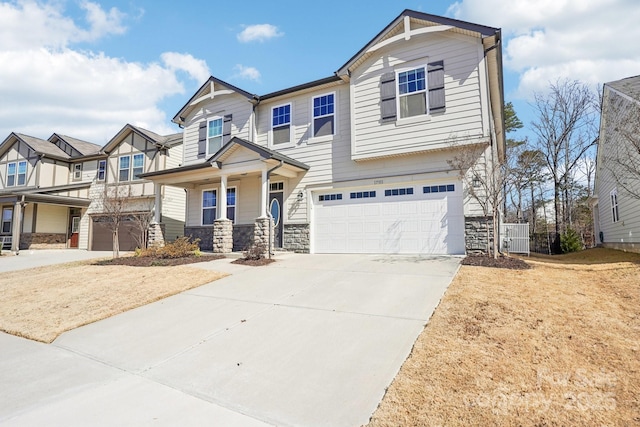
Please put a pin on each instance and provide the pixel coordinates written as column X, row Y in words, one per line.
column 102, row 170
column 16, row 173
column 412, row 92
column 214, row 135
column 281, row 124
column 209, row 203
column 324, row 115
column 615, row 213
column 126, row 171
column 77, row 171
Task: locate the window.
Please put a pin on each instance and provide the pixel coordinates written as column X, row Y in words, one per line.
column 615, row 213
column 22, row 173
column 7, row 215
column 281, row 124
column 77, row 171
column 399, row 192
column 214, row 135
column 362, row 194
column 438, row 188
column 209, row 202
column 102, row 170
column 276, row 186
column 11, row 174
column 125, row 166
column 412, row 92
column 328, row 197
column 324, row 115
column 231, row 204
column 138, row 166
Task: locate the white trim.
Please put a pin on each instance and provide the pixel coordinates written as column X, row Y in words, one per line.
column 120, row 168
column 104, row 178
column 312, row 138
column 404, row 69
column 408, row 33
column 235, row 205
column 133, row 156
column 14, row 175
column 291, row 133
column 77, row 172
column 215, row 206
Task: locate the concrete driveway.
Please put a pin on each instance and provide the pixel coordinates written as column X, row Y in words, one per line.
column 311, row 340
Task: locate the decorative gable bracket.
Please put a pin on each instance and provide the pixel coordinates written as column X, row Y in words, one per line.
column 408, row 33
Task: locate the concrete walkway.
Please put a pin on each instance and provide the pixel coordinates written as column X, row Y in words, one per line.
column 311, row 340
column 41, row 257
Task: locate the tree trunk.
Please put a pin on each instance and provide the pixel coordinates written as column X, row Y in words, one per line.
column 116, row 243
column 556, row 202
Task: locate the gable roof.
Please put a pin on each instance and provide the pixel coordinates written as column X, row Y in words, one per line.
column 629, row 86
column 83, row 147
column 167, row 141
column 263, row 152
column 39, row 146
column 206, row 89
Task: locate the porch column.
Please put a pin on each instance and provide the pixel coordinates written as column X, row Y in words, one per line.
column 17, row 227
column 222, row 201
column 264, row 194
column 158, row 203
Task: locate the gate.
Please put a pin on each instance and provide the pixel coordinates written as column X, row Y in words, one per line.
column 514, row 238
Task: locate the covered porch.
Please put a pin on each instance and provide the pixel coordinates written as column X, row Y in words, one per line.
column 234, row 196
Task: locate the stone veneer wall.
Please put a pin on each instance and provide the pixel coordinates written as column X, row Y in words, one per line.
column 222, row 236
column 205, row 234
column 242, row 236
column 261, row 232
column 296, row 238
column 475, row 234
column 43, row 241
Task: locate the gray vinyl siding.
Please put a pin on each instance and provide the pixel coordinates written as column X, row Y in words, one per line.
column 220, row 106
column 462, row 119
column 627, row 229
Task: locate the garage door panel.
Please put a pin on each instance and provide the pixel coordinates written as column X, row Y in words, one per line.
column 417, row 223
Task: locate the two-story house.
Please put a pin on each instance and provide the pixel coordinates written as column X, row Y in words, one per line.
column 51, row 190
column 617, row 185
column 352, row 163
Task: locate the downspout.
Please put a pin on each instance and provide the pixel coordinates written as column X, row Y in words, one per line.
column 269, row 210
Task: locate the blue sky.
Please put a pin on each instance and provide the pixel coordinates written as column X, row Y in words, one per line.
column 85, row 68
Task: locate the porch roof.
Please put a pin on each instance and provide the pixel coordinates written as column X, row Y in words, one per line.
column 215, row 165
column 50, row 199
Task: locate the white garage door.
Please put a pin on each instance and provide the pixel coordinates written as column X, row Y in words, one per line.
column 416, row 219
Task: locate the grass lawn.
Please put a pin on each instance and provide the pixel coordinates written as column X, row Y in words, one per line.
column 43, row 302
column 556, row 345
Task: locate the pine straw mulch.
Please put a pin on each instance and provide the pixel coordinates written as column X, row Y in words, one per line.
column 42, row 303
column 253, row 262
column 139, row 261
column 500, row 262
column 555, row 345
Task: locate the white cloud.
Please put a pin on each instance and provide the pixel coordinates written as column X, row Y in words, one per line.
column 196, row 68
column 259, row 32
column 548, row 40
column 247, row 73
column 51, row 87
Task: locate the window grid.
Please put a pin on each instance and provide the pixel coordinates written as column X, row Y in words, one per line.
column 22, row 173
column 231, row 204
column 124, row 168
column 276, row 186
column 362, row 194
column 328, row 197
column 138, row 166
column 214, row 135
column 323, row 105
column 281, row 115
column 439, row 188
column 77, row 171
column 411, row 81
column 11, row 174
column 398, row 192
column 7, row 216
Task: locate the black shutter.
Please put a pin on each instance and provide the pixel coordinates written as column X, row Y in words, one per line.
column 388, row 97
column 435, row 79
column 202, row 140
column 226, row 128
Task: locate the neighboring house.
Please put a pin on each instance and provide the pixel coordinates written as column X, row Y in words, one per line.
column 355, row 162
column 50, row 189
column 617, row 184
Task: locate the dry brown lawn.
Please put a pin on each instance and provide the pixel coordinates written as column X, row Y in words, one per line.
column 43, row 302
column 557, row 345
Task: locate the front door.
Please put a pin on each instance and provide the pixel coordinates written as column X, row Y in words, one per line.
column 74, row 228
column 275, row 208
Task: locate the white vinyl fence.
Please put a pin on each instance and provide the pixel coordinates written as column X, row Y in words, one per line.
column 514, row 238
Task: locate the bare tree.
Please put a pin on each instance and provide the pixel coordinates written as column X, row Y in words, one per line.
column 621, row 145
column 565, row 130
column 114, row 202
column 142, row 220
column 483, row 178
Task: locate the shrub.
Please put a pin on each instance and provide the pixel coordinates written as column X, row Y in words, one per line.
column 182, row 247
column 570, row 241
column 255, row 252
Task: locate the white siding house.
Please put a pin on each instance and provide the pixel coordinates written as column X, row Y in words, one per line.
column 353, row 163
column 617, row 185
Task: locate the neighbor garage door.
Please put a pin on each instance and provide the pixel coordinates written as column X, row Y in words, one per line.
column 404, row 219
column 102, row 237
